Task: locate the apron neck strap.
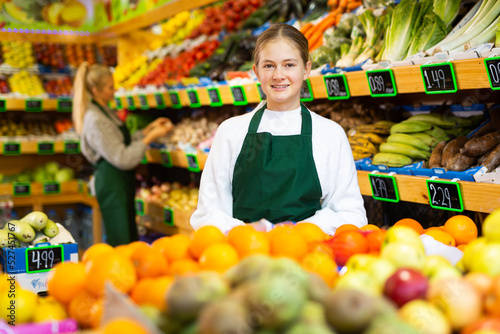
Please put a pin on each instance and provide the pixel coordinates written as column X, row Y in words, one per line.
column 306, row 120
column 101, row 108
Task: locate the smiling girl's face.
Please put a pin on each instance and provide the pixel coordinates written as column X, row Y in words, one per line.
column 281, row 72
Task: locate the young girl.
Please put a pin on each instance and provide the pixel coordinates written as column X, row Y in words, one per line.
column 281, row 161
column 106, row 142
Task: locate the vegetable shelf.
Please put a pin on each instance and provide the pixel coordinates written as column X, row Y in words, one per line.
column 32, row 147
column 153, row 217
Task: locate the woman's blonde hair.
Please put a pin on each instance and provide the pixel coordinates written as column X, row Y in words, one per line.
column 87, row 78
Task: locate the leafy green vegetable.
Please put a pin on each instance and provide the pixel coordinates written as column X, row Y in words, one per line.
column 431, row 31
column 447, row 10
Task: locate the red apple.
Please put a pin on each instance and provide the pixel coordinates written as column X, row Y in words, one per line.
column 406, row 284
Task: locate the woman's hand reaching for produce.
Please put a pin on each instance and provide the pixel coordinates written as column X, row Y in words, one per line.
column 157, row 131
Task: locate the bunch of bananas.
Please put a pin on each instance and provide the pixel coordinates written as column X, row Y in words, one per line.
column 415, row 138
column 365, row 139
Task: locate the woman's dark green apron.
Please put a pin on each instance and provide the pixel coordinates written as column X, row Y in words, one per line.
column 275, row 177
column 115, row 192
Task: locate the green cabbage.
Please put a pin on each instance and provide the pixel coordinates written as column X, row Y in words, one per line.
column 447, row 10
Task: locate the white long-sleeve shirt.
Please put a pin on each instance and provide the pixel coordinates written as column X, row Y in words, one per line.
column 341, row 200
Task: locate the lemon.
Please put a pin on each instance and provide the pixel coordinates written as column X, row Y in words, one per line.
column 18, row 306
column 49, row 310
column 491, row 226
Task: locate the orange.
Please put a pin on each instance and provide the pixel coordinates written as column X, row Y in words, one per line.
column 111, row 266
column 139, row 291
column 321, row 264
column 173, row 248
column 346, row 227
column 369, row 227
column 124, row 250
column 462, row 247
column 311, row 232
column 86, row 309
column 96, row 250
column 441, row 236
column 375, row 240
column 462, row 229
column 139, row 248
column 434, row 228
column 151, row 291
column 247, row 241
column 219, row 257
column 346, row 244
column 286, row 241
column 412, row 223
column 123, row 325
column 204, row 237
column 151, row 264
column 183, row 266
column 65, row 280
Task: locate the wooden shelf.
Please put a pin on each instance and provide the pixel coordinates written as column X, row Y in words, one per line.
column 31, row 147
column 153, row 218
column 179, row 158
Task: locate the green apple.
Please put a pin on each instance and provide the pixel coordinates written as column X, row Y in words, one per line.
column 360, row 281
column 360, row 261
column 381, row 269
column 445, row 272
column 425, row 317
column 471, row 251
column 402, row 234
column 404, row 255
column 486, row 259
column 491, row 226
column 433, row 263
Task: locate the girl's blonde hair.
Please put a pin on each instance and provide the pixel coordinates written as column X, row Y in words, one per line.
column 87, row 78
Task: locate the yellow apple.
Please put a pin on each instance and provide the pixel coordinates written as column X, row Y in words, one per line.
column 471, row 250
column 433, row 263
column 359, row 261
column 381, row 269
column 402, row 234
column 404, row 255
column 486, row 259
column 425, row 317
column 360, row 281
column 491, row 226
column 445, row 272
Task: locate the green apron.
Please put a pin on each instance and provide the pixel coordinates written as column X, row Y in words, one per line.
column 115, row 192
column 275, row 177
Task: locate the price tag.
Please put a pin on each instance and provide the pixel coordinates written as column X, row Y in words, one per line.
column 11, row 148
column 160, row 101
column 214, row 95
column 336, row 87
column 3, row 105
column 130, row 102
column 143, row 102
column 71, row 147
column 118, row 102
column 168, row 216
column 381, row 83
column 306, row 93
column 239, row 96
column 384, row 187
column 192, row 161
column 194, row 101
column 21, row 188
column 139, row 207
column 166, row 158
column 261, row 92
column 39, row 259
column 45, row 148
column 493, row 68
column 64, row 105
column 33, row 105
column 176, row 101
column 445, row 195
column 51, row 188
column 439, row 78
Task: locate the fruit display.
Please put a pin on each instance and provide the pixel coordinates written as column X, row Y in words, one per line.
column 50, row 55
column 26, row 84
column 78, row 53
column 18, row 54
column 124, row 71
column 179, row 27
column 50, row 171
column 189, row 134
column 109, row 55
column 4, row 87
column 173, row 195
column 60, row 86
column 30, row 129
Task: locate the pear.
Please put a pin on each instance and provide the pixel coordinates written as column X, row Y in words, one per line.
column 51, row 229
column 21, row 230
column 36, row 219
column 4, row 238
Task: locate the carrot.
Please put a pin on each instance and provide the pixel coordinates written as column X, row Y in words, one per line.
column 310, row 32
column 306, row 27
column 353, row 5
column 332, row 3
column 343, row 5
column 337, row 19
column 318, row 36
column 327, row 22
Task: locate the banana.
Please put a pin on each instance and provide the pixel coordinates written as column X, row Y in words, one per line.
column 372, row 128
column 404, row 149
column 373, row 137
column 363, row 143
column 461, row 121
column 357, row 156
column 434, row 119
column 437, row 133
column 407, row 139
column 410, row 127
column 385, row 123
column 426, row 138
column 391, row 159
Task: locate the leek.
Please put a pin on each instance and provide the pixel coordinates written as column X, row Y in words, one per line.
column 374, row 28
column 486, row 36
column 348, row 59
column 447, row 10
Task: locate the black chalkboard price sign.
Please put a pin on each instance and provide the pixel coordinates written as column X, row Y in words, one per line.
column 168, row 216
column 160, row 101
column 130, row 102
column 33, row 105
column 261, row 92
column 336, row 87
column 166, row 158
column 214, row 96
column 194, row 101
column 11, row 148
column 71, row 147
column 51, row 188
column 175, row 100
column 118, row 103
column 3, row 105
column 139, row 206
column 39, row 259
column 493, row 68
column 45, row 148
column 192, row 163
column 143, row 102
column 21, row 188
column 306, row 93
column 438, row 78
column 445, row 195
column 381, row 83
column 64, row 105
column 384, row 187
column 239, row 95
